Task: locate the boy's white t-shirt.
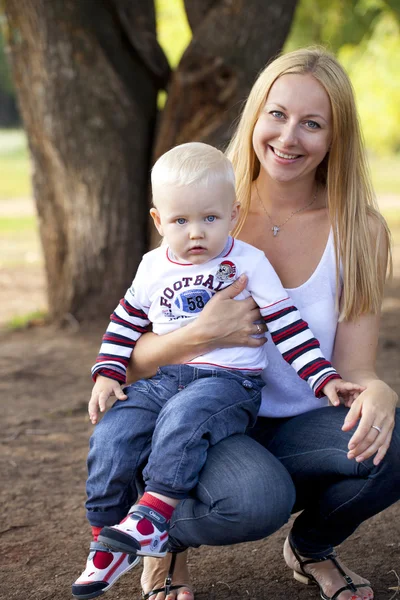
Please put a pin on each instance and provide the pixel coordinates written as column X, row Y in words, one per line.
column 170, row 294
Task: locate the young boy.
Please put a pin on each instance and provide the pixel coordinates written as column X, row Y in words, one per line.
column 183, row 409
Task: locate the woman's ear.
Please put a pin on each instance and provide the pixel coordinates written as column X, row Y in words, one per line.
column 157, row 220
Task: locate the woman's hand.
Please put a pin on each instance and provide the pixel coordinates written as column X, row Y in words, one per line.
column 375, row 410
column 225, row 322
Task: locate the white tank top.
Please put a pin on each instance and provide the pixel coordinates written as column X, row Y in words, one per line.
column 285, row 394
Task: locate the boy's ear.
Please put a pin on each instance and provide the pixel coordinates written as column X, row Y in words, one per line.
column 235, row 214
column 157, row 221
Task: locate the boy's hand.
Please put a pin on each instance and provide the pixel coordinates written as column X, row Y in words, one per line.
column 342, row 392
column 102, row 390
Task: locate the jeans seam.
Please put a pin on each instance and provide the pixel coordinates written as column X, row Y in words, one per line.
column 207, row 514
column 312, row 452
column 341, row 506
column 347, row 502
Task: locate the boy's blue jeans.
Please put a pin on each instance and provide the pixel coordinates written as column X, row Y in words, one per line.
column 168, row 421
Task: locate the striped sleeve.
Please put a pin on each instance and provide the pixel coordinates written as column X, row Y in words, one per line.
column 127, row 323
column 291, row 335
column 298, row 346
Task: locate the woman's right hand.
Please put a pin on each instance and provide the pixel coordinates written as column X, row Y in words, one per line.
column 225, row 322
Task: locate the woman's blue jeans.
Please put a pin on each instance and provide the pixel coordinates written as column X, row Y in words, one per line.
column 248, row 489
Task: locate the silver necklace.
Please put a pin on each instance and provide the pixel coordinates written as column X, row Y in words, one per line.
column 276, row 228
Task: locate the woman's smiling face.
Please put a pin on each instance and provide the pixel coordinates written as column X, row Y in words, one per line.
column 294, row 130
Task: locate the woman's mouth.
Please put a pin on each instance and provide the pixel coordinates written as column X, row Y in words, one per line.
column 284, row 154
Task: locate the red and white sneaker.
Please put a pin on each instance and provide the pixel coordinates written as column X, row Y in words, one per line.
column 103, row 568
column 144, row 532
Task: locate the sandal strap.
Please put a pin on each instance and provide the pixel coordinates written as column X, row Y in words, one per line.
column 164, row 589
column 353, row 587
column 350, row 585
column 167, row 587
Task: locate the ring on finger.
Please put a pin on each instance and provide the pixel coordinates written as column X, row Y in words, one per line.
column 377, row 428
column 259, row 328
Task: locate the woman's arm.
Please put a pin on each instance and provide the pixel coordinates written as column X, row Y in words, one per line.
column 354, row 356
column 224, row 323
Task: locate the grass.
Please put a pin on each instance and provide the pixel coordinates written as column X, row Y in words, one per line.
column 37, row 317
column 19, row 242
column 12, row 225
column 14, row 165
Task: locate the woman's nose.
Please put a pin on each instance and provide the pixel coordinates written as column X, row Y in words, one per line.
column 288, row 133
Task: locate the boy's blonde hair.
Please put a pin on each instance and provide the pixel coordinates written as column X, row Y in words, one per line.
column 194, row 163
column 357, row 224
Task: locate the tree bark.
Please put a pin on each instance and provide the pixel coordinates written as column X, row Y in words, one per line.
column 232, row 41
column 87, row 75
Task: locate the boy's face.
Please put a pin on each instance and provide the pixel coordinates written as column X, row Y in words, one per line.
column 195, row 220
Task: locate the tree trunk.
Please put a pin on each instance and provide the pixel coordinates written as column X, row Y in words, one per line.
column 232, row 41
column 87, row 75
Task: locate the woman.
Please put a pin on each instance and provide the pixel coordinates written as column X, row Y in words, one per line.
column 307, row 203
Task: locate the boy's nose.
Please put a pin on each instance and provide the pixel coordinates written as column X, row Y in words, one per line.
column 196, row 232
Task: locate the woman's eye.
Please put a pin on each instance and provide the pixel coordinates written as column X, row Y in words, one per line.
column 181, row 221
column 277, row 113
column 210, row 218
column 312, row 125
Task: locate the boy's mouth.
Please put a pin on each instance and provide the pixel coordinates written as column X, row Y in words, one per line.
column 197, row 250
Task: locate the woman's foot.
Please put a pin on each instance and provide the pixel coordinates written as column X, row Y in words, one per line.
column 329, row 577
column 155, row 571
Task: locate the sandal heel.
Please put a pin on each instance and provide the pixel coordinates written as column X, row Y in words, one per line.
column 302, row 578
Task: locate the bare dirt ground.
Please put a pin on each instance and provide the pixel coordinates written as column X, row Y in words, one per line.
column 44, row 433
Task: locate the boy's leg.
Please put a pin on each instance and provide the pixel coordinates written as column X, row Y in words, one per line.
column 119, row 444
column 211, row 406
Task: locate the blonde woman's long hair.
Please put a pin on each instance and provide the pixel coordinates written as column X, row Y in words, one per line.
column 357, row 224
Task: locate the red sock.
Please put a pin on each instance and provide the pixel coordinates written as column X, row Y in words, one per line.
column 95, row 532
column 161, row 507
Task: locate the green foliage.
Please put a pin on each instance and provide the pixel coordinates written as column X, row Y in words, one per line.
column 173, row 30
column 333, row 23
column 365, row 36
column 374, row 70
column 6, row 83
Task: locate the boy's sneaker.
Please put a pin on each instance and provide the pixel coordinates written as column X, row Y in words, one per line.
column 103, row 568
column 144, row 531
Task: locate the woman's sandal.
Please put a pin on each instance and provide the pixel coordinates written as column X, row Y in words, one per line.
column 307, row 578
column 167, row 587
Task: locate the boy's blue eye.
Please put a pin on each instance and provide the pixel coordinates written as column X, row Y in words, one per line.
column 181, row 221
column 210, row 218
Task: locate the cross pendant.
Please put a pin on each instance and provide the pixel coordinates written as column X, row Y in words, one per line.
column 275, row 229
